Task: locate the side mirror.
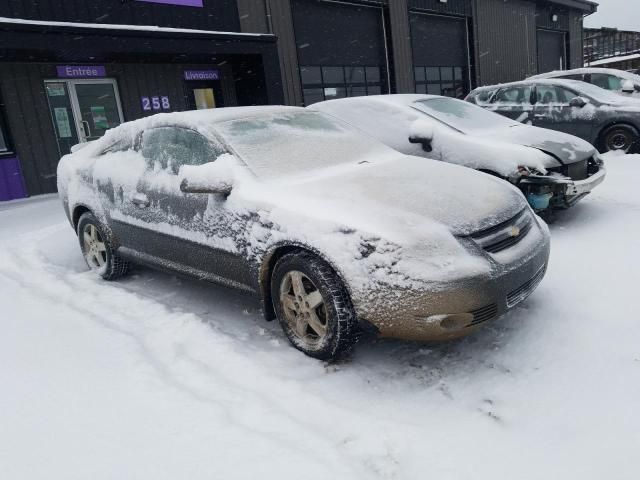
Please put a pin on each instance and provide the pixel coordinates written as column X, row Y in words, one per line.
column 628, row 86
column 578, row 102
column 422, row 132
column 190, row 185
column 425, row 141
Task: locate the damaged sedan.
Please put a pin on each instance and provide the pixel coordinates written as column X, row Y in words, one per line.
column 336, row 233
column 552, row 169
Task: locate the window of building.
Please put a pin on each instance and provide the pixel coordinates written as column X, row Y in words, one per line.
column 446, row 81
column 327, row 83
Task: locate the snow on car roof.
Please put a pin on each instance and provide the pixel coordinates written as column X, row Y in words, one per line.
column 540, row 81
column 582, row 71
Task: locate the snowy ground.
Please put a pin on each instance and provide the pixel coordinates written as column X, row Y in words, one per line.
column 157, row 378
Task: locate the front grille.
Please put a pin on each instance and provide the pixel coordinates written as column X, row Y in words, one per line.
column 484, row 314
column 526, row 289
column 578, row 170
column 505, row 235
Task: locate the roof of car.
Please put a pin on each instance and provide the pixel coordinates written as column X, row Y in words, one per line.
column 539, row 81
column 397, row 100
column 582, row 71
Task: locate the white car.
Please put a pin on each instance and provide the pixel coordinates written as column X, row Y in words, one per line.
column 618, row 81
column 553, row 170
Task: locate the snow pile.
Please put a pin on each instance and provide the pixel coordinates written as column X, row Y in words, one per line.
column 164, row 378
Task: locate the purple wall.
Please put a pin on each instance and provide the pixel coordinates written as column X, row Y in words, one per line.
column 11, row 182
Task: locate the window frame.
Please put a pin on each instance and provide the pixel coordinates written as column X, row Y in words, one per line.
column 138, row 143
column 573, row 94
column 6, row 135
column 348, row 86
column 532, row 95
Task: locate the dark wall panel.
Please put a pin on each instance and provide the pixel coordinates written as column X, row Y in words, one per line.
column 552, row 53
column 576, row 44
column 329, row 33
column 505, row 40
column 438, row 40
column 215, row 15
column 400, row 43
column 544, row 17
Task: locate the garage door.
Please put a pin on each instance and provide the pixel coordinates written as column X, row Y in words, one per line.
column 440, row 54
column 552, row 51
column 341, row 50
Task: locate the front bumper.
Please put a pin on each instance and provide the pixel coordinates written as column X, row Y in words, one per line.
column 456, row 309
column 563, row 191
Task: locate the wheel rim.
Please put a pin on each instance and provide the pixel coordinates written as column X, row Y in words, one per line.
column 95, row 250
column 304, row 308
column 618, row 141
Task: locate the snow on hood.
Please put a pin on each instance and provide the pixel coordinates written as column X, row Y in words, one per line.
column 392, row 119
column 566, row 148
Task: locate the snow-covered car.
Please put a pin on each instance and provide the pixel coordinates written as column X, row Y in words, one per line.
column 552, row 169
column 335, row 232
column 618, row 81
column 602, row 118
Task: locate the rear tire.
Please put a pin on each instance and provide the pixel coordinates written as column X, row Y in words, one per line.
column 97, row 250
column 619, row 138
column 313, row 306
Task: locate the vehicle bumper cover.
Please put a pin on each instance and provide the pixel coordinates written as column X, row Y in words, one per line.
column 461, row 307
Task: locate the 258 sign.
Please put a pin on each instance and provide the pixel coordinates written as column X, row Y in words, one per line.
column 155, row 103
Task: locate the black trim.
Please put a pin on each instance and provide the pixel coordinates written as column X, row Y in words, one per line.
column 6, row 135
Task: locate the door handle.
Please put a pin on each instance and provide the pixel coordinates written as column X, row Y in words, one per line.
column 540, row 115
column 140, row 200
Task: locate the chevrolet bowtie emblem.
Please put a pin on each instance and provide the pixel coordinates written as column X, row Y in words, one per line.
column 514, row 231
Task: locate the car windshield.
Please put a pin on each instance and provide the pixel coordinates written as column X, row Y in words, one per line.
column 463, row 116
column 296, row 143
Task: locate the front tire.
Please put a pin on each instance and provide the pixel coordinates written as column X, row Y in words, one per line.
column 619, row 138
column 97, row 250
column 313, row 306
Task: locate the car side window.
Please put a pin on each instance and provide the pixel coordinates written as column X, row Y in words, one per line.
column 168, row 148
column 118, row 146
column 571, row 77
column 514, row 95
column 483, row 97
column 549, row 94
column 606, row 81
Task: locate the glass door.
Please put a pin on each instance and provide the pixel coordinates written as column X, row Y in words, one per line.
column 61, row 110
column 82, row 110
column 97, row 107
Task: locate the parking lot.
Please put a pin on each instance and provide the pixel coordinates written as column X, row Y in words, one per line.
column 160, row 377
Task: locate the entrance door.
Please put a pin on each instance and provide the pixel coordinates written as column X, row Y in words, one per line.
column 203, row 94
column 82, row 110
column 552, row 51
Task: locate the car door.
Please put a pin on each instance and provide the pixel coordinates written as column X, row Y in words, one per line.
column 553, row 110
column 513, row 102
column 181, row 231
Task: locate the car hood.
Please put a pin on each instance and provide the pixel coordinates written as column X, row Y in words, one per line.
column 412, row 192
column 564, row 147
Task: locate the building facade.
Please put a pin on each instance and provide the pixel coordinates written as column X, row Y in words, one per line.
column 612, row 48
column 70, row 70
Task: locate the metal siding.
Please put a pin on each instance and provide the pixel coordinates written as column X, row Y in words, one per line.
column 253, row 16
column 279, row 12
column 576, row 44
column 219, row 15
column 505, row 40
column 544, row 17
column 401, row 47
column 452, row 7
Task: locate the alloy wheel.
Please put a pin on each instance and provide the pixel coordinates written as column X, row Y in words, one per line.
column 304, row 308
column 95, row 250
